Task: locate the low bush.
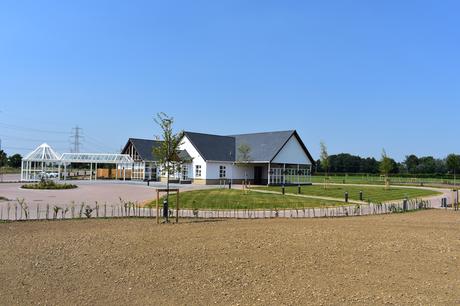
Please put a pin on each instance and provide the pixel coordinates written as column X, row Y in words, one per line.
column 48, row 185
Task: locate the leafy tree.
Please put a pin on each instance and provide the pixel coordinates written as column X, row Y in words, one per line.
column 14, row 161
column 411, row 163
column 386, row 167
column 3, row 159
column 427, row 165
column 324, row 156
column 453, row 164
column 167, row 152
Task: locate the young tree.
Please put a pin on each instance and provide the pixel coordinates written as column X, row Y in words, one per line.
column 243, row 159
column 167, row 152
column 324, row 156
column 386, row 167
column 453, row 164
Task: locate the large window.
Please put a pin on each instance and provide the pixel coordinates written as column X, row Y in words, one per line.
column 222, row 172
column 185, row 172
column 198, row 171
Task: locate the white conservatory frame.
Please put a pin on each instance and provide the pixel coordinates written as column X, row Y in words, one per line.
column 122, row 161
column 42, row 160
column 45, row 162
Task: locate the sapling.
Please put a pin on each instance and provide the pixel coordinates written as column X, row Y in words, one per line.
column 72, row 209
column 88, row 211
column 24, row 207
column 80, row 213
column 56, row 210
column 64, row 212
column 97, row 210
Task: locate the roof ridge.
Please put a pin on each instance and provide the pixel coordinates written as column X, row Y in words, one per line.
column 207, row 134
column 132, row 138
column 258, row 133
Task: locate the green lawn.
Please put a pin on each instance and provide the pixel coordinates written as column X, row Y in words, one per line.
column 374, row 194
column 378, row 180
column 237, row 199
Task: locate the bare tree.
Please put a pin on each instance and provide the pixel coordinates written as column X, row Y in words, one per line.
column 324, row 156
column 243, row 159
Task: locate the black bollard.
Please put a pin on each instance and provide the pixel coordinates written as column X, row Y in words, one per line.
column 282, row 189
column 360, row 195
column 166, row 210
column 148, row 182
column 346, row 197
column 405, row 205
column 298, row 190
column 230, row 185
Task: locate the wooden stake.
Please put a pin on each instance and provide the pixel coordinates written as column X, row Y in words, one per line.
column 177, row 207
column 158, row 207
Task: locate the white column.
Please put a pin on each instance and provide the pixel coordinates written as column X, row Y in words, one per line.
column 65, row 171
column 59, row 171
column 298, row 174
column 124, row 173
column 90, row 171
column 116, row 171
column 284, row 174
column 268, row 175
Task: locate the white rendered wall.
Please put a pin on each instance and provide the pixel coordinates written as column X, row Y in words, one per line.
column 292, row 153
column 196, row 159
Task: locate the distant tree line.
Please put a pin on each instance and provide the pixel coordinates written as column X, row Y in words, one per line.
column 12, row 161
column 412, row 165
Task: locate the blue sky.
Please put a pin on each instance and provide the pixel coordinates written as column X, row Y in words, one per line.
column 360, row 75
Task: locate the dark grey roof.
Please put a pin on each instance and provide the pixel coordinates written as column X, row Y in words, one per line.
column 213, row 147
column 184, row 156
column 144, row 147
column 263, row 146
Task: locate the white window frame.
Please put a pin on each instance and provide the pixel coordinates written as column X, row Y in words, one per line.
column 222, row 171
column 197, row 170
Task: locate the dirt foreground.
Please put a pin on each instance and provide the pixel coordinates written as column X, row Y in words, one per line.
column 411, row 258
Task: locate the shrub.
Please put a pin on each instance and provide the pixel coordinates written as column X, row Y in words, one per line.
column 48, row 185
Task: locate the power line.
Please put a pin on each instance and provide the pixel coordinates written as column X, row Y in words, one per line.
column 76, row 137
column 31, row 139
column 17, row 127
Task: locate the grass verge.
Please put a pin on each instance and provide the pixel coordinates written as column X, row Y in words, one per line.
column 238, row 199
column 373, row 194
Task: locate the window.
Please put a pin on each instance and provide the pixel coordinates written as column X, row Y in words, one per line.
column 222, row 172
column 185, row 172
column 198, row 171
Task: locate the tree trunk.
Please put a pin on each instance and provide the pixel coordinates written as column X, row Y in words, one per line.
column 167, row 182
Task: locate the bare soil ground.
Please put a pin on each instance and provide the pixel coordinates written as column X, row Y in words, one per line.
column 411, row 258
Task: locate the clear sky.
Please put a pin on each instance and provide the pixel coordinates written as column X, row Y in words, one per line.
column 360, row 75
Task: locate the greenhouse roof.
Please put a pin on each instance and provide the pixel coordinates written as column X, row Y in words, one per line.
column 103, row 158
column 43, row 153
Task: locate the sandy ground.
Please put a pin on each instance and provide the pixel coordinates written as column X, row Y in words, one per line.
column 411, row 258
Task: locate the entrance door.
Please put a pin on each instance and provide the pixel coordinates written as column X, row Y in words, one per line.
column 257, row 175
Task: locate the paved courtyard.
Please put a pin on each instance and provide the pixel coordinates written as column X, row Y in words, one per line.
column 108, row 192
